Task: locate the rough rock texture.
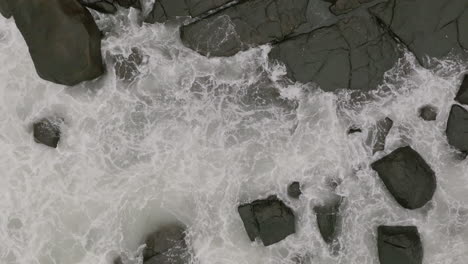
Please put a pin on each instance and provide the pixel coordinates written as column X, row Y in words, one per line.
column 126, row 68
column 294, row 190
column 344, row 6
column 244, row 25
column 166, row 246
column 462, row 95
column 379, row 134
column 457, row 128
column 353, row 54
column 5, row 9
column 47, row 131
column 427, row 27
column 327, row 219
column 164, row 10
column 269, row 219
column 428, row 112
column 399, row 245
column 103, row 6
column 407, row 177
column 63, row 39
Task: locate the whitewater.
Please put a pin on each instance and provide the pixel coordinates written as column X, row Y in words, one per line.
column 186, row 141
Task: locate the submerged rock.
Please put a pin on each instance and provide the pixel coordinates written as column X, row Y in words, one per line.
column 103, row 6
column 270, row 219
column 63, row 39
column 457, row 128
column 354, row 129
column 294, row 190
column 47, row 131
column 379, row 135
column 407, row 177
column 428, row 112
column 247, row 24
column 462, row 95
column 328, row 218
column 126, row 68
column 399, row 245
column 166, row 246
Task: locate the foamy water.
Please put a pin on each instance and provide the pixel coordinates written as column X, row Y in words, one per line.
column 184, row 143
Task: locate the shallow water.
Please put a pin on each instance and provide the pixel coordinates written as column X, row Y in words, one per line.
column 184, row 143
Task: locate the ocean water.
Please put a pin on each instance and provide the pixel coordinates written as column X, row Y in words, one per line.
column 187, row 142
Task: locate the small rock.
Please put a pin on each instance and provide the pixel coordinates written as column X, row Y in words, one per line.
column 381, row 132
column 327, row 219
column 353, row 130
column 47, row 131
column 407, row 177
column 457, row 128
column 428, row 112
column 166, row 246
column 126, row 68
column 103, row 6
column 270, row 219
column 294, row 190
column 399, row 245
column 462, row 95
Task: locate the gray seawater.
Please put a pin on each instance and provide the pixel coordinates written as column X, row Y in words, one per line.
column 182, row 143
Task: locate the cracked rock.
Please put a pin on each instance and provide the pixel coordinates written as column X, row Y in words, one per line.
column 457, row 128
column 399, row 245
column 344, row 6
column 462, row 95
column 270, row 219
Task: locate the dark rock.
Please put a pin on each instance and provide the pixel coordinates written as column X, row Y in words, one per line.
column 294, row 190
column 380, row 134
column 129, row 3
column 47, row 131
column 166, row 246
column 407, row 177
column 428, row 113
column 353, row 130
column 164, row 10
column 269, row 219
column 462, row 95
column 457, row 128
column 126, row 68
column 328, row 219
column 5, row 9
column 344, row 6
column 353, row 54
column 244, row 25
column 63, row 39
column 432, row 33
column 399, row 245
column 103, row 6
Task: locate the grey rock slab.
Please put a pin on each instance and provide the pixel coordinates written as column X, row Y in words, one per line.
column 457, row 128
column 399, row 245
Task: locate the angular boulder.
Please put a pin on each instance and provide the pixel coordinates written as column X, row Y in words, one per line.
column 164, row 10
column 457, row 128
column 462, row 95
column 47, row 131
column 428, row 113
column 399, row 245
column 270, row 219
column 407, row 176
column 241, row 26
column 380, row 134
column 294, row 190
column 328, row 219
column 103, row 6
column 428, row 28
column 352, row 54
column 167, row 246
column 63, row 39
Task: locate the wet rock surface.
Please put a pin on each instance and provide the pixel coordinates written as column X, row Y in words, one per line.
column 428, row 112
column 103, row 6
column 166, row 246
column 328, row 219
column 380, row 133
column 269, row 219
column 457, row 128
column 47, row 131
column 294, row 190
column 407, row 176
column 67, row 49
column 462, row 95
column 126, row 68
column 399, row 245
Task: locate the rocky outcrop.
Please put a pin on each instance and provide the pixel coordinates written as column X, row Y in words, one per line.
column 5, row 9
column 457, row 128
column 353, row 54
column 167, row 246
column 63, row 39
column 379, row 133
column 462, row 95
column 428, row 113
column 427, row 27
column 103, row 6
column 294, row 190
column 47, row 131
column 244, row 25
column 269, row 219
column 328, row 219
column 399, row 245
column 164, row 10
column 407, row 177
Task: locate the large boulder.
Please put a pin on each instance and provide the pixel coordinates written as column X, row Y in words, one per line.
column 462, row 95
column 328, row 219
column 352, row 54
column 5, row 9
column 166, row 246
column 103, row 6
column 164, row 10
column 247, row 24
column 457, row 128
column 431, row 28
column 270, row 219
column 63, row 39
column 399, row 245
column 407, row 177
column 47, row 131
